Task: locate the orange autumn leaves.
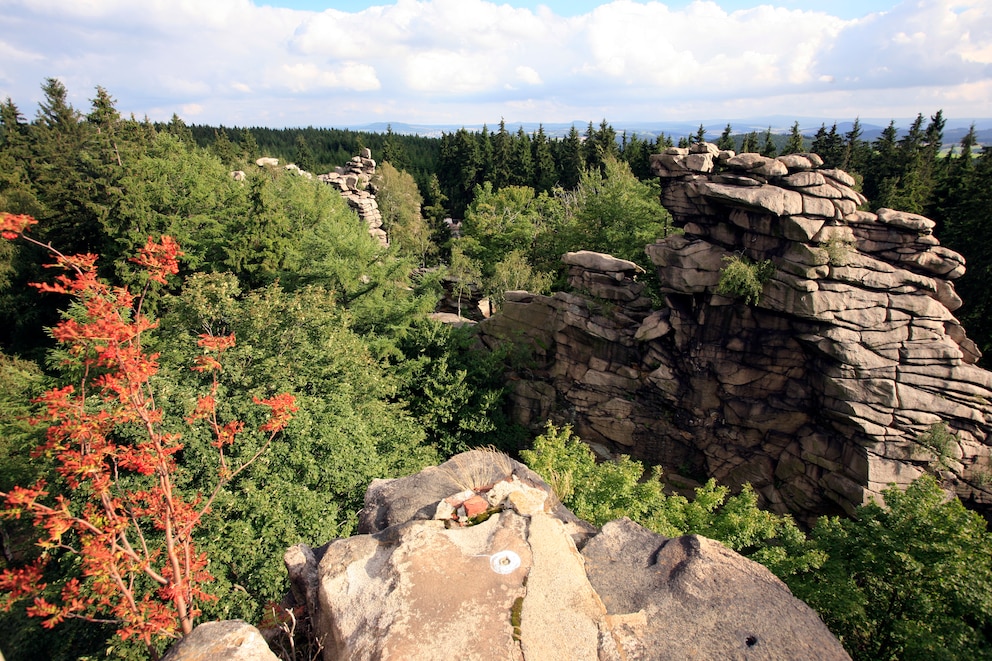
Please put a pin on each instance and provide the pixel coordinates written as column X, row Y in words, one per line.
column 139, row 566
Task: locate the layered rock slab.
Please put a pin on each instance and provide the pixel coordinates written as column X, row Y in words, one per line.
column 353, row 181
column 532, row 582
column 819, row 394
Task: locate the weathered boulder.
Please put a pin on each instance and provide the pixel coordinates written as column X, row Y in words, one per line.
column 228, row 640
column 476, row 559
column 819, row 393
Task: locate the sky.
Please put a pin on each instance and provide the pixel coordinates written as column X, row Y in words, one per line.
column 465, row 62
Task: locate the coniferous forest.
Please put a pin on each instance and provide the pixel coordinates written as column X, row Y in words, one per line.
column 232, row 389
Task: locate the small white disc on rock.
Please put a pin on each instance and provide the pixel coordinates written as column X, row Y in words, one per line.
column 504, row 562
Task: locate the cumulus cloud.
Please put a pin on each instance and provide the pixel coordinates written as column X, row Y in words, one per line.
column 471, row 60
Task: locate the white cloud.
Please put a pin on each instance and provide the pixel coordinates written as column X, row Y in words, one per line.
column 471, row 61
column 528, row 75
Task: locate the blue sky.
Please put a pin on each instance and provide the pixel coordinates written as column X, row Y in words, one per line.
column 347, row 63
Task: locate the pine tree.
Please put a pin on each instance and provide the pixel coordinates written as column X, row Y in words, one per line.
column 796, row 144
column 485, row 155
column 769, row 149
column 606, row 142
column 248, row 145
column 523, row 162
column 856, row 151
column 178, row 128
column 392, row 151
column 303, row 156
column 545, row 171
column 590, row 154
column 725, row 141
column 749, row 144
column 223, row 148
column 570, row 160
column 502, row 174
column 700, row 135
column 882, row 173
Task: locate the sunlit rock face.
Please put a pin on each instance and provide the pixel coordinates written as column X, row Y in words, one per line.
column 820, row 393
column 353, row 181
column 476, row 559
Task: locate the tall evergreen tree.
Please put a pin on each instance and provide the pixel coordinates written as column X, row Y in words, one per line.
column 392, row 150
column 485, row 149
column 523, row 161
column 726, row 141
column 590, row 155
column 304, row 155
column 570, row 159
column 796, row 144
column 178, row 128
column 545, row 170
column 700, row 135
column 749, row 143
column 249, row 146
column 882, row 173
column 769, row 149
column 606, row 142
column 856, row 151
column 502, row 173
column 223, row 148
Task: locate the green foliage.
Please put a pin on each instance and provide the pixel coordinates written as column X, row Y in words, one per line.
column 309, row 485
column 456, row 393
column 744, row 278
column 906, row 581
column 616, row 214
column 400, row 204
column 601, row 491
column 514, row 272
column 838, row 250
column 939, row 442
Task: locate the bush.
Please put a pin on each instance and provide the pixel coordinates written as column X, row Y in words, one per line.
column 744, row 278
column 909, row 580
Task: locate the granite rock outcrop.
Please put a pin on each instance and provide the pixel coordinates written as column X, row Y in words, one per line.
column 476, row 559
column 849, row 373
column 353, row 181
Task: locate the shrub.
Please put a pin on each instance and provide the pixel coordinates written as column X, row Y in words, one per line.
column 744, row 278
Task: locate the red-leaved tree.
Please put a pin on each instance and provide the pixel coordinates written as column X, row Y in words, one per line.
column 118, row 507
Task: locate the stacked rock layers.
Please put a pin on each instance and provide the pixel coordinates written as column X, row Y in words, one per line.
column 829, row 388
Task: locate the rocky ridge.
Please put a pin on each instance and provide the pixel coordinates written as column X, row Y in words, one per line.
column 353, row 181
column 827, row 389
column 476, row 559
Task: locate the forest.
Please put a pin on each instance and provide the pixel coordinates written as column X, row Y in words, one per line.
column 216, row 369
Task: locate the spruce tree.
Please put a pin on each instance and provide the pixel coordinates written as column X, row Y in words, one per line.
column 523, row 161
column 502, row 173
column 769, row 149
column 545, row 171
column 570, row 159
column 796, row 144
column 726, row 141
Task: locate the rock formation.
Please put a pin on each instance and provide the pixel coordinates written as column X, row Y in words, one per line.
column 353, row 181
column 834, row 384
column 476, row 559
column 230, row 640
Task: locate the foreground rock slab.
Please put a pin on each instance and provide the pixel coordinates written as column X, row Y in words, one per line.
column 527, row 580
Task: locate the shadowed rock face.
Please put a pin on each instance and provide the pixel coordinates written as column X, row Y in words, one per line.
column 533, row 582
column 817, row 394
